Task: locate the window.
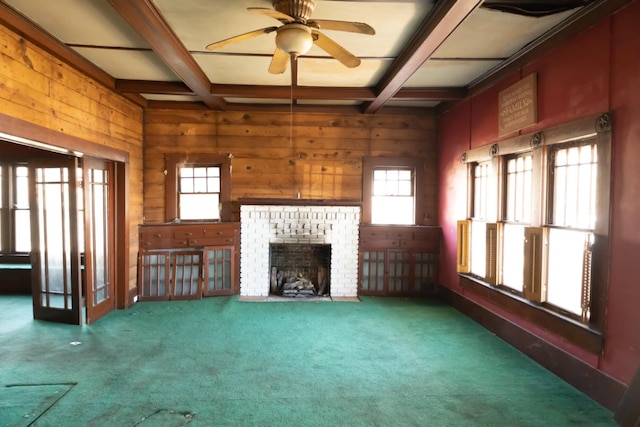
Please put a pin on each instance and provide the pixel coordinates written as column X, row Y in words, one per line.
column 484, row 196
column 14, row 208
column 393, row 199
column 198, row 187
column 547, row 242
column 199, row 192
column 393, row 191
column 571, row 223
column 517, row 215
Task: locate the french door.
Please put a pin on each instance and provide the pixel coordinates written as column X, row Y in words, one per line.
column 55, row 252
column 71, row 222
column 98, row 237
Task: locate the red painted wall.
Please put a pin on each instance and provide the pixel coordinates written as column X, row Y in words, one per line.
column 597, row 71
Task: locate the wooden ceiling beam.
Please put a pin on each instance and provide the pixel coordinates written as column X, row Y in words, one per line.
column 284, row 92
column 299, row 108
column 436, row 28
column 430, row 94
column 154, row 87
column 145, row 18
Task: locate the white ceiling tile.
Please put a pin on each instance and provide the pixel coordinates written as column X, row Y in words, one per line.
column 89, row 23
column 242, row 70
column 129, row 64
column 330, row 72
column 200, row 22
column 443, row 73
column 493, row 34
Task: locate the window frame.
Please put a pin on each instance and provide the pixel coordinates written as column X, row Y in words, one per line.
column 370, row 164
column 586, row 333
column 174, row 161
column 8, row 182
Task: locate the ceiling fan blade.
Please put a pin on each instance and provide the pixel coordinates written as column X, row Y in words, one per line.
column 235, row 39
column 352, row 27
column 282, row 17
column 279, row 62
column 335, row 50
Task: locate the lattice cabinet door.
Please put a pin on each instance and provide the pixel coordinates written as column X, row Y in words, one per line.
column 187, row 275
column 219, row 268
column 153, row 275
column 399, row 268
column 425, row 272
column 373, row 269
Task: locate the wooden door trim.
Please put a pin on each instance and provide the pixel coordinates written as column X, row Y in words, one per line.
column 25, row 133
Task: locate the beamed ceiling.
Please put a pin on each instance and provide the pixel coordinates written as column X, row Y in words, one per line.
column 424, row 54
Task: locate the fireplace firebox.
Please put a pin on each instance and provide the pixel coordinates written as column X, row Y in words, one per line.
column 299, row 270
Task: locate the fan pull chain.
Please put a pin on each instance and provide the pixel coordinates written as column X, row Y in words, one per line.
column 291, row 113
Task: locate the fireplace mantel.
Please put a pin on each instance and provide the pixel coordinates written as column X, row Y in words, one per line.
column 297, row 202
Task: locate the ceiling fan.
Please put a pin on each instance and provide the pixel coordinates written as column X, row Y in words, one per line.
column 297, row 34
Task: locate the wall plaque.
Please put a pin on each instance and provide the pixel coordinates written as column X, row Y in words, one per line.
column 518, row 105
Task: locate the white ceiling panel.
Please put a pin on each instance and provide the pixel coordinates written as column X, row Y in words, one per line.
column 242, row 70
column 330, row 72
column 89, row 23
column 493, row 34
column 394, row 23
column 444, row 73
column 200, row 22
column 129, row 64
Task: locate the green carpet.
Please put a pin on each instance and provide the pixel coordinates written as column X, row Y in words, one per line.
column 220, row 362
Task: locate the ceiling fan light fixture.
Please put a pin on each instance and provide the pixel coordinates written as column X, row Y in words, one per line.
column 299, row 9
column 294, row 39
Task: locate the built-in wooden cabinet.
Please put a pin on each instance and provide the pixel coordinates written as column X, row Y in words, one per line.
column 398, row 260
column 188, row 261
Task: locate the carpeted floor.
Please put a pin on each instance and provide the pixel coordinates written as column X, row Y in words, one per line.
column 221, row 362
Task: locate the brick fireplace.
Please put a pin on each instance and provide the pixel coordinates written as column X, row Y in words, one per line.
column 262, row 225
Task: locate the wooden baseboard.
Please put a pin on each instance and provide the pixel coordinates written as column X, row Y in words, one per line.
column 628, row 411
column 596, row 384
column 131, row 297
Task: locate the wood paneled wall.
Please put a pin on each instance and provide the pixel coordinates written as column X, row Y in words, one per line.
column 39, row 89
column 318, row 155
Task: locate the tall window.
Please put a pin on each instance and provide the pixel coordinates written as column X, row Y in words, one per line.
column 571, row 224
column 21, row 220
column 484, row 197
column 14, row 209
column 517, row 215
column 393, row 199
column 198, row 187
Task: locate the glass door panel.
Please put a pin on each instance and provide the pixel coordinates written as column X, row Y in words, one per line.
column 399, row 271
column 372, row 277
column 218, row 268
